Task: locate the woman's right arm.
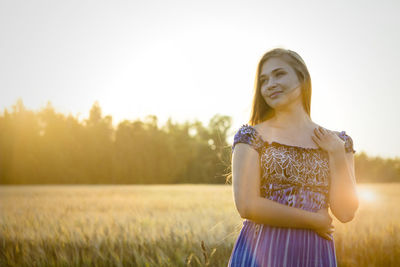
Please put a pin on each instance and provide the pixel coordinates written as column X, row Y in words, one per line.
column 249, row 203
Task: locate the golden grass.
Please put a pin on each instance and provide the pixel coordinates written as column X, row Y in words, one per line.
column 165, row 225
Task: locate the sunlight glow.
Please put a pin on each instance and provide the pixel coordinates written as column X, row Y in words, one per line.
column 367, row 194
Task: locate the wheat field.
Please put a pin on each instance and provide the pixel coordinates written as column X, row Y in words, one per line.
column 165, row 225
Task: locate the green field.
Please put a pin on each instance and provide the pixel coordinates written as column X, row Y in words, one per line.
column 165, row 225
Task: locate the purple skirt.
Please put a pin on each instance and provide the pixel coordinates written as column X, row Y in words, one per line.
column 264, row 245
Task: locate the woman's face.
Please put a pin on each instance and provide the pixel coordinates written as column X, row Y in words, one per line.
column 279, row 83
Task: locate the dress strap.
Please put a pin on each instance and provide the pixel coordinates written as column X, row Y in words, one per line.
column 247, row 134
column 348, row 142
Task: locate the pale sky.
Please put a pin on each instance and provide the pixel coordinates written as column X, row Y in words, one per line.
column 194, row 59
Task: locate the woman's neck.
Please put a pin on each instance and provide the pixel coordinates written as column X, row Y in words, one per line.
column 290, row 120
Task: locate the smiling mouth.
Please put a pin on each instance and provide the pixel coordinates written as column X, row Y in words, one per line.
column 273, row 95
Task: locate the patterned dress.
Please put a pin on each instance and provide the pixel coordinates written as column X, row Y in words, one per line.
column 297, row 177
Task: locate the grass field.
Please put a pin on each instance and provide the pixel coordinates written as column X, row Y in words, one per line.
column 171, row 225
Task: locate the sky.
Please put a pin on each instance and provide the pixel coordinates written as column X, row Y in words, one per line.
column 193, row 59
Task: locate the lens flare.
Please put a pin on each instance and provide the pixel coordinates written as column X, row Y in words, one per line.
column 366, row 194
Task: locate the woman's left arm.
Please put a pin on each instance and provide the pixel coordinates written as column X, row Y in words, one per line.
column 343, row 198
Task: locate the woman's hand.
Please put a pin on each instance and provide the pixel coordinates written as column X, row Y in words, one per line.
column 323, row 224
column 328, row 140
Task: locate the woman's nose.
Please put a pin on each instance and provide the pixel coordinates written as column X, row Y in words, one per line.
column 271, row 86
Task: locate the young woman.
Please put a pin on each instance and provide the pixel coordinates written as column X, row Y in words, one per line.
column 287, row 170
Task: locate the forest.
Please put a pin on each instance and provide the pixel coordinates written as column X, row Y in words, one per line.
column 49, row 147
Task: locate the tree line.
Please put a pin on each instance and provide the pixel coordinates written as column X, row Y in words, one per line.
column 48, row 147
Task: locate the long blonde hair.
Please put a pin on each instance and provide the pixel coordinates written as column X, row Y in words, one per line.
column 261, row 111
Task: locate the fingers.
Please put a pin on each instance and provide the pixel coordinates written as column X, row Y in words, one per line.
column 317, row 133
column 330, row 236
column 326, row 233
column 320, row 131
column 326, row 236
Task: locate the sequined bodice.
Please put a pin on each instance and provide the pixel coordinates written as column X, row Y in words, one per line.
column 284, row 166
column 293, row 175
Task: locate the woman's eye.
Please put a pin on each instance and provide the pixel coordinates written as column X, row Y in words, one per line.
column 279, row 73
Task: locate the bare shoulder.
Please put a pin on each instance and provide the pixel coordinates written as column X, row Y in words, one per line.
column 260, row 125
